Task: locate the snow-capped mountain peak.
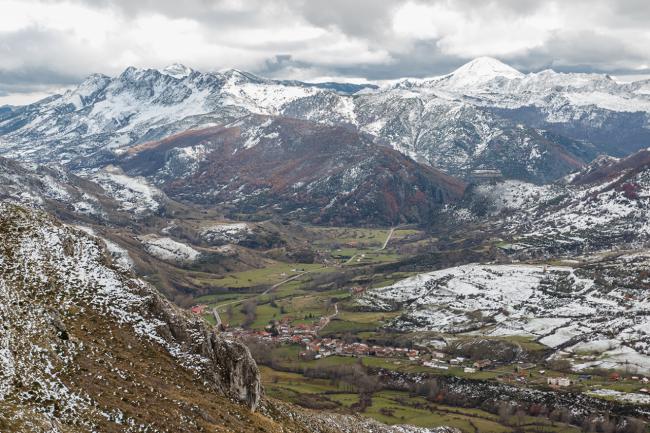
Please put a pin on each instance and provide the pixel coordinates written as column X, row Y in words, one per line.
column 487, row 67
column 480, row 71
column 177, row 70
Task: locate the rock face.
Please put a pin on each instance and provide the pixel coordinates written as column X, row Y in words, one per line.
column 227, row 365
column 85, row 344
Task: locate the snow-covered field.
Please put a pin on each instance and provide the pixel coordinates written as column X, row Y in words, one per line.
column 226, row 233
column 169, row 250
column 561, row 307
column 628, row 397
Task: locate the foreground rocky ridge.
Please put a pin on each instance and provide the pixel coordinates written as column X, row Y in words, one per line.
column 58, row 291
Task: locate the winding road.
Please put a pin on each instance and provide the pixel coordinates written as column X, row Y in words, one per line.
column 325, row 320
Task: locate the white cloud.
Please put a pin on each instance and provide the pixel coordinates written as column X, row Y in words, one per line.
column 57, row 42
column 466, row 32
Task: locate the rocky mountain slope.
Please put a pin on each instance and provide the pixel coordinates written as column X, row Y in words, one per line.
column 605, row 206
column 106, row 197
column 587, row 107
column 601, row 207
column 78, row 331
column 485, row 115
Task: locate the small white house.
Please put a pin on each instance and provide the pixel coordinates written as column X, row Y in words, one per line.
column 435, row 365
column 558, row 381
column 469, row 370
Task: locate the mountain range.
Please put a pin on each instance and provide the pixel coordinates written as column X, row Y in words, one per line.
column 479, row 116
column 535, row 127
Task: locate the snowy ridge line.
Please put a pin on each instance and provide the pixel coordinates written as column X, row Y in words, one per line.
column 425, row 119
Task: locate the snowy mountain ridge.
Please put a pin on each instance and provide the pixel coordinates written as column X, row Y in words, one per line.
column 485, row 115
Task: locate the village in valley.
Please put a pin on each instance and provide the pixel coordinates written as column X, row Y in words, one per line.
column 313, row 347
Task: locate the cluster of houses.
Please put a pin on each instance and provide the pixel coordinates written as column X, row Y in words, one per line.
column 613, row 377
column 315, row 347
column 306, row 335
column 321, row 348
column 280, row 332
column 438, row 362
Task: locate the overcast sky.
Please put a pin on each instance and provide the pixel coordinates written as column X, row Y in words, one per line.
column 50, row 44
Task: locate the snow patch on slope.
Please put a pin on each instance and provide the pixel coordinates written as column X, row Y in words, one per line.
column 226, row 233
column 134, row 194
column 169, row 250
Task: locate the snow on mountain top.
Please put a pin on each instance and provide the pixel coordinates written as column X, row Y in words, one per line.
column 176, row 70
column 491, row 82
column 479, row 72
column 486, row 67
column 237, row 76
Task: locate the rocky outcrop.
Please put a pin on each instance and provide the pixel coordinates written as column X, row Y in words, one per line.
column 226, row 365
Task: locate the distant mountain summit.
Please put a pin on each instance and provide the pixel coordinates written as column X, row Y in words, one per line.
column 480, row 71
column 177, row 70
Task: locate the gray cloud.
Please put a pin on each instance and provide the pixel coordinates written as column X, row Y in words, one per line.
column 424, row 58
column 307, row 38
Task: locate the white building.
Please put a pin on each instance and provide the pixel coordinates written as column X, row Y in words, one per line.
column 558, row 381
